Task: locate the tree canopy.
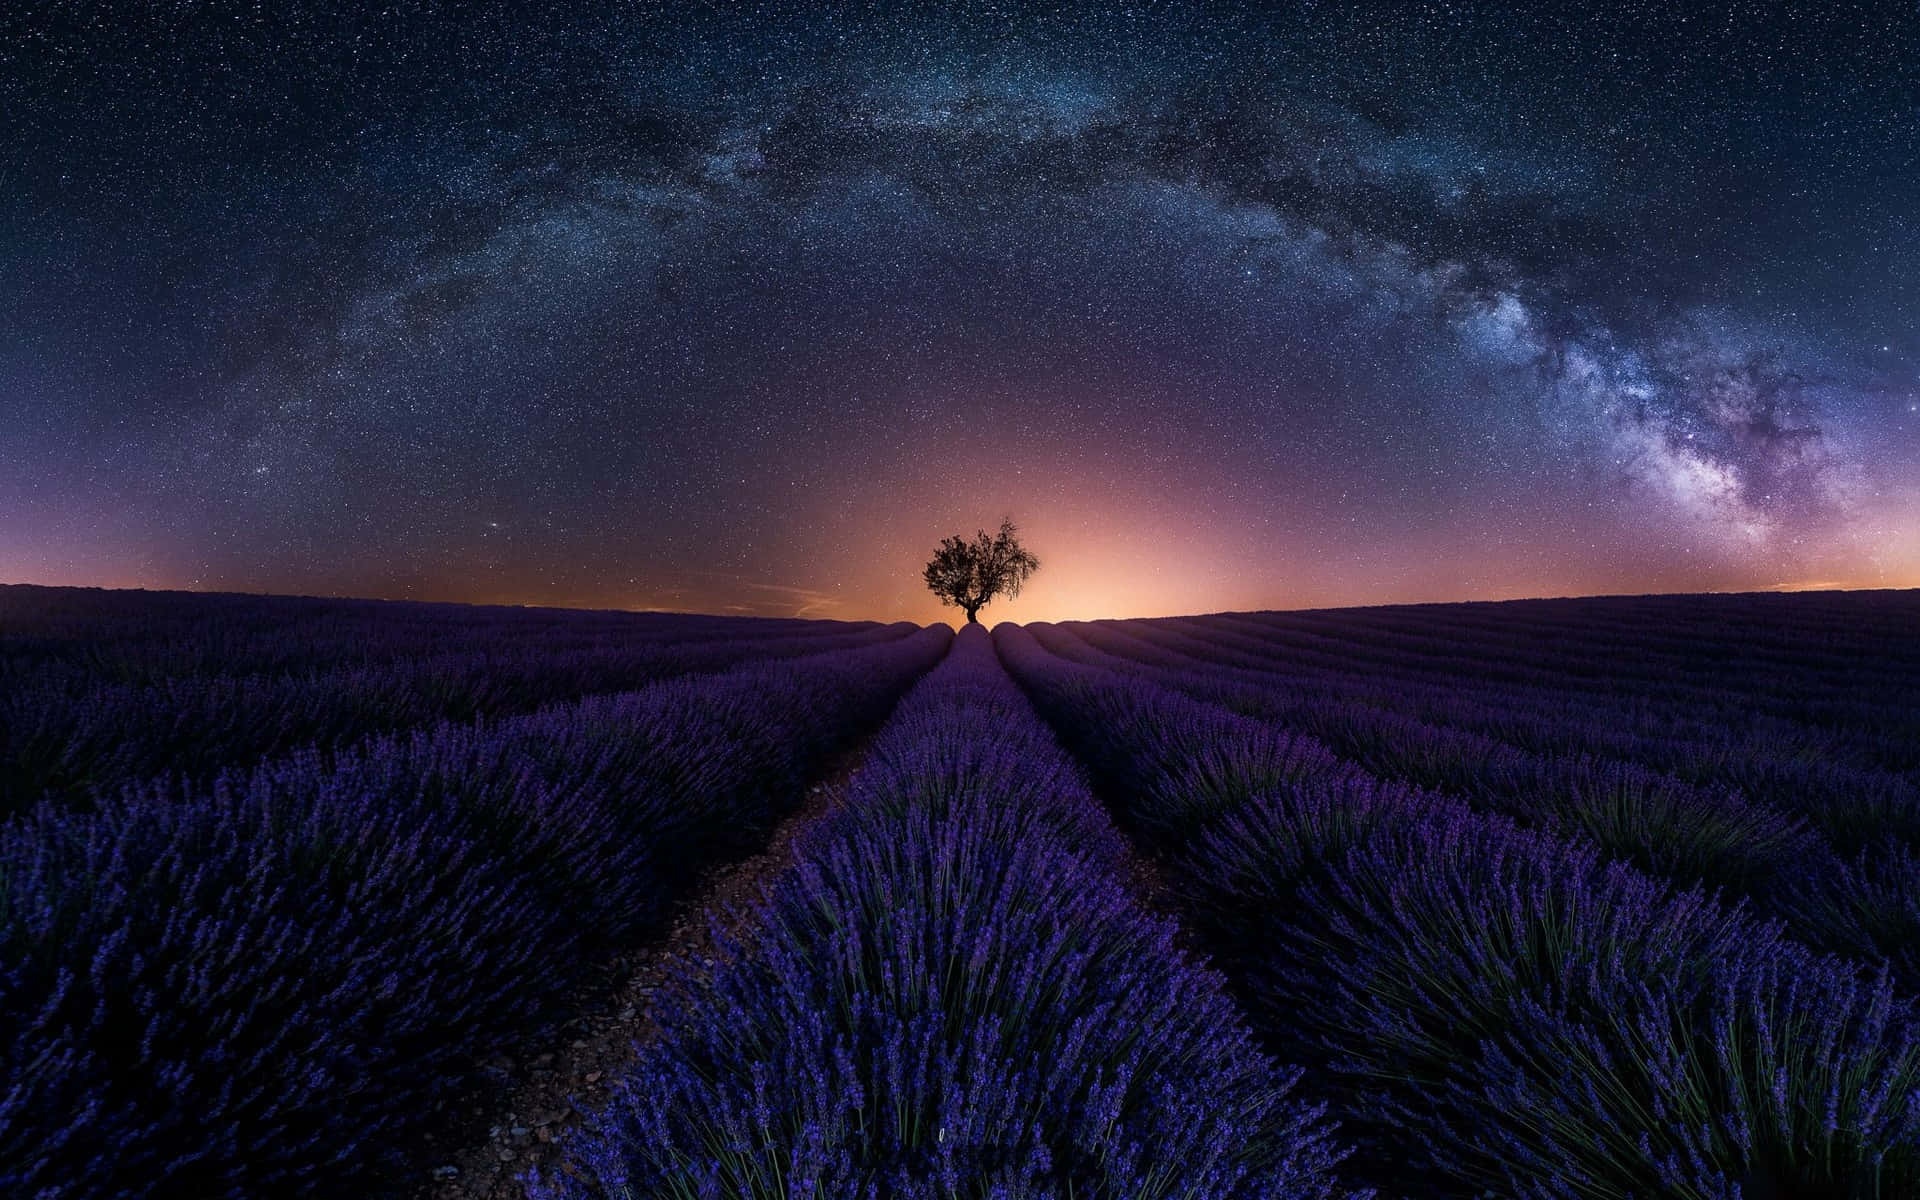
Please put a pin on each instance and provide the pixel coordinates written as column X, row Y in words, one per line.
column 967, row 574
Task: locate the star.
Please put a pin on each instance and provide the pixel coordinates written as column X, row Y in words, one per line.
column 752, row 312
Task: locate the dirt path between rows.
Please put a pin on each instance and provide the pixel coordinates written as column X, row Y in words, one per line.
column 535, row 1098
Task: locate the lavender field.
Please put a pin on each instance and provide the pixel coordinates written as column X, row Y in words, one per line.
column 1577, row 899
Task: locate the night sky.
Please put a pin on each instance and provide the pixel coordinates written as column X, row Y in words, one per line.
column 743, row 310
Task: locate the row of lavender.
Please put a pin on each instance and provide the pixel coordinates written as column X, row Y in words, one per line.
column 1829, row 679
column 260, row 982
column 1838, row 723
column 1829, row 849
column 97, row 692
column 1702, row 726
column 252, row 981
column 952, row 993
column 1489, row 997
column 144, row 637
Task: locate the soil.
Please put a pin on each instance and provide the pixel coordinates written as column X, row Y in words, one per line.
column 531, row 1101
column 535, row 1099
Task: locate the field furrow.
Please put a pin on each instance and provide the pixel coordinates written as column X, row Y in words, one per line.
column 72, row 738
column 1499, row 1010
column 261, row 985
column 952, row 993
column 1862, row 828
column 1576, row 900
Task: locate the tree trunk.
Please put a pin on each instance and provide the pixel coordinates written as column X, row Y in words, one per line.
column 972, row 609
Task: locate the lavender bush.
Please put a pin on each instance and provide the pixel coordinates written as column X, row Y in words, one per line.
column 950, row 994
column 1868, row 906
column 1666, row 826
column 1569, row 900
column 1503, row 1009
column 1528, row 1020
column 1837, row 744
column 258, row 987
column 72, row 736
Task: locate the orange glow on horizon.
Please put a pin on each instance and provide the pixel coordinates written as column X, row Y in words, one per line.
column 1104, row 554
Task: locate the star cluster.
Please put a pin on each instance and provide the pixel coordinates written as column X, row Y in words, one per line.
column 742, row 309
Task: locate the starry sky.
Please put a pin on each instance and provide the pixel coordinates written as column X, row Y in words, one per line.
column 742, row 309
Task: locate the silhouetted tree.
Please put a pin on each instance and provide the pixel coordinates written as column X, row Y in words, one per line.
column 968, row 574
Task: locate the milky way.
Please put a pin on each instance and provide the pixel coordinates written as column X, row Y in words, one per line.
column 743, row 310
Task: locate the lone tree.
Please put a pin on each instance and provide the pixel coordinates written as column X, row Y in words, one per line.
column 968, row 574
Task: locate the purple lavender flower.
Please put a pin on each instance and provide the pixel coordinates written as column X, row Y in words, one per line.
column 951, row 993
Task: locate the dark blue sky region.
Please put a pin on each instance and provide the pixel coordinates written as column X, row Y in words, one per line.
column 741, row 310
